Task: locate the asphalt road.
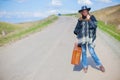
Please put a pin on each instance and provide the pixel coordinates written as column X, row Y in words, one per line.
column 46, row 55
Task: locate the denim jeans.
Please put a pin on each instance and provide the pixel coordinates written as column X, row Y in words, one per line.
column 93, row 54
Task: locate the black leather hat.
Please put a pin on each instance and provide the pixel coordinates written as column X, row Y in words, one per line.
column 84, row 8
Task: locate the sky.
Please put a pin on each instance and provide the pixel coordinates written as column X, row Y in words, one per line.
column 16, row 11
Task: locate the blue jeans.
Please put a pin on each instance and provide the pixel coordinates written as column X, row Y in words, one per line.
column 93, row 54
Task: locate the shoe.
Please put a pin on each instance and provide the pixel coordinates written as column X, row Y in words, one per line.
column 85, row 70
column 102, row 68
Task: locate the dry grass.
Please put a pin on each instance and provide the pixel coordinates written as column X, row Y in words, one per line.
column 18, row 31
column 110, row 15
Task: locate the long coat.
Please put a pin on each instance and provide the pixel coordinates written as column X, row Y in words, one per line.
column 80, row 29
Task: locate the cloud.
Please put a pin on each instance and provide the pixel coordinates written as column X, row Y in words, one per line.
column 20, row 1
column 54, row 11
column 4, row 14
column 106, row 1
column 56, row 2
column 85, row 2
column 23, row 14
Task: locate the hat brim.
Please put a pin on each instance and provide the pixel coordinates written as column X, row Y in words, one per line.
column 84, row 9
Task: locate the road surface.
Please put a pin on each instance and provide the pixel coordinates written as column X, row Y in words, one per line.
column 46, row 55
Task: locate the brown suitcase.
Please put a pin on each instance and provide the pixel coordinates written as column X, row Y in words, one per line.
column 77, row 51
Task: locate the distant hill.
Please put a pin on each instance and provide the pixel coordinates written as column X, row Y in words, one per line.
column 11, row 32
column 110, row 15
column 6, row 28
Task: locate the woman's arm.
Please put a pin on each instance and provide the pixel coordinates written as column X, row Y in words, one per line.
column 77, row 28
column 93, row 22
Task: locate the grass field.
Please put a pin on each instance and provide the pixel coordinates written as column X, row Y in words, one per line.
column 15, row 31
column 110, row 29
column 109, row 15
column 7, row 28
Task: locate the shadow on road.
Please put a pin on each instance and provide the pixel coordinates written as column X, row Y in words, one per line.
column 90, row 63
column 78, row 67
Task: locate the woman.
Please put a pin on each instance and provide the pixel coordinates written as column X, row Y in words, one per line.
column 86, row 34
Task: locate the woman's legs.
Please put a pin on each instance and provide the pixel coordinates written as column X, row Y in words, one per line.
column 94, row 56
column 84, row 56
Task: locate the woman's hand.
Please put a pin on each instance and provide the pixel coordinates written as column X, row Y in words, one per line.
column 88, row 17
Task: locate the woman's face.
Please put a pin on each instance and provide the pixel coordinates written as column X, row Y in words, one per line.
column 84, row 12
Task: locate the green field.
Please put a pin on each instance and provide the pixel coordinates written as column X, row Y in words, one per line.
column 110, row 29
column 14, row 32
column 7, row 28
